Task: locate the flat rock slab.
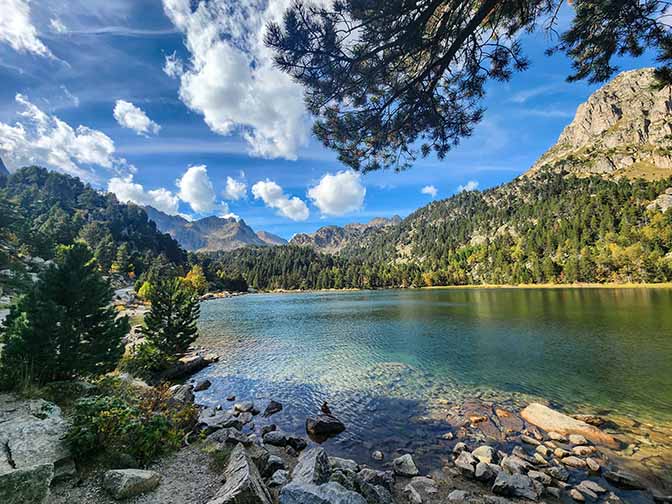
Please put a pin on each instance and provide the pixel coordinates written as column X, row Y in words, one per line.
column 328, row 493
column 551, row 420
column 26, row 486
column 125, row 483
column 313, row 467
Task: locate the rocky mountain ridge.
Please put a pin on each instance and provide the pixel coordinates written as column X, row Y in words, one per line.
column 623, row 129
column 3, row 169
column 211, row 233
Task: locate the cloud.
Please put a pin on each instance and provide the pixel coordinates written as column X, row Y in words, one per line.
column 472, row 185
column 132, row 117
column 273, row 196
column 235, row 189
column 58, row 26
column 173, row 66
column 17, row 30
column 338, row 194
column 430, row 190
column 197, row 189
column 533, row 92
column 43, row 139
column 230, row 78
column 126, row 190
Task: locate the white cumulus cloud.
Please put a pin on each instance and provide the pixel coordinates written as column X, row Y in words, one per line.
column 132, row 117
column 196, row 189
column 127, row 190
column 274, row 197
column 17, row 30
column 230, row 78
column 472, row 185
column 430, row 190
column 58, row 26
column 42, row 139
column 338, row 194
column 236, row 189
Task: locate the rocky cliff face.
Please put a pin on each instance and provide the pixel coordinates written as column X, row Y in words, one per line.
column 270, row 238
column 333, row 239
column 623, row 129
column 209, row 234
column 3, row 168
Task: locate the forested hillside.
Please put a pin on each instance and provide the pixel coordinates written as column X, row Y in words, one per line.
column 42, row 209
column 547, row 228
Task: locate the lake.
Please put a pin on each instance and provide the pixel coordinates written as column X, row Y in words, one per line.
column 382, row 358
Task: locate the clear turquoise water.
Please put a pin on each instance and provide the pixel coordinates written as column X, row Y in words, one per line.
column 380, row 357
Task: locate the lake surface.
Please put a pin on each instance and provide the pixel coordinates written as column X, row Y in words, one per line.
column 380, row 358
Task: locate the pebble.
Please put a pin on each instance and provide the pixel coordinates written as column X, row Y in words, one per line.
column 582, row 451
column 575, row 462
column 542, row 450
column 576, row 495
column 529, row 440
column 377, row 455
column 593, row 465
column 560, row 453
column 458, row 496
column 592, row 486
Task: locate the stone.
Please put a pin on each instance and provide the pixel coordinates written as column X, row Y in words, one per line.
column 272, row 408
column 420, row 489
column 181, row 394
column 274, row 464
column 558, row 473
column 313, row 467
column 486, row 472
column 28, row 485
column 377, row 478
column 231, row 397
column 515, row 465
column 556, row 436
column 560, row 453
column 324, row 425
column 243, row 482
column 485, row 454
column 574, row 462
column 577, row 439
column 268, row 428
column 466, row 463
column 539, row 460
column 275, row 438
column 244, row 407
column 125, row 483
column 592, row 486
column 458, row 496
column 541, row 477
column 245, row 417
column 229, row 435
column 377, row 455
column 550, row 420
column 593, row 465
column 187, row 366
column 542, row 450
column 554, row 492
column 583, row 451
column 279, row 478
column 624, row 480
column 202, row 385
column 328, row 493
column 211, row 420
column 342, row 463
column 413, row 495
column 529, row 440
column 517, row 485
column 459, row 448
column 405, row 466
column 576, row 495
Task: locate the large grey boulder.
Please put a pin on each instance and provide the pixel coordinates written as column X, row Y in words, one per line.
column 243, row 482
column 405, row 466
column 313, row 467
column 517, row 485
column 327, row 493
column 181, row 394
column 324, row 426
column 26, row 486
column 125, row 483
column 31, row 437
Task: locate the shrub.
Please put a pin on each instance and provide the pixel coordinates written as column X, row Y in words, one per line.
column 146, row 360
column 142, row 426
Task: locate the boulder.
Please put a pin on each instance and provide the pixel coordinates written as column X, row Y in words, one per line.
column 327, row 493
column 377, row 478
column 593, row 465
column 273, row 464
column 28, row 485
column 583, row 451
column 541, row 477
column 574, row 462
column 244, row 407
column 181, row 394
column 202, row 385
column 515, row 465
column 558, row 473
column 125, row 483
column 405, row 466
column 486, row 472
column 275, row 438
column 272, row 408
column 591, row 486
column 210, row 420
column 279, row 478
column 517, row 485
column 230, row 436
column 341, row 463
column 313, row 467
column 324, row 426
column 243, row 482
column 186, row 366
column 551, row 420
column 577, row 439
column 466, row 463
column 458, row 496
column 556, row 436
column 485, row 454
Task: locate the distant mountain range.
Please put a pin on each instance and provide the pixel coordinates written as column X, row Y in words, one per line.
column 211, row 233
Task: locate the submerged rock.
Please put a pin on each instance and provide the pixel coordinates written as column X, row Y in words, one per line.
column 125, row 483
column 324, row 426
column 202, row 385
column 272, row 408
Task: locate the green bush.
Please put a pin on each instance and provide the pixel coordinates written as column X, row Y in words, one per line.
column 141, row 426
column 146, row 360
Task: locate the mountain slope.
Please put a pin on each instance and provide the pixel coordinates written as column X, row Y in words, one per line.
column 270, row 238
column 3, row 169
column 210, row 233
column 623, row 129
column 333, row 239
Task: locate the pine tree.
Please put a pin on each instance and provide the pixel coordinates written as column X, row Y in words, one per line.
column 65, row 326
column 171, row 322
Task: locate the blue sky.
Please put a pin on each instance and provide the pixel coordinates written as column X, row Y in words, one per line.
column 86, row 90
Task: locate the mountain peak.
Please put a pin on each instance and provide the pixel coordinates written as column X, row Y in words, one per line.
column 623, row 129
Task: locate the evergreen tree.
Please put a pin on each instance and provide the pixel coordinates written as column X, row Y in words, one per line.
column 65, row 326
column 171, row 322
